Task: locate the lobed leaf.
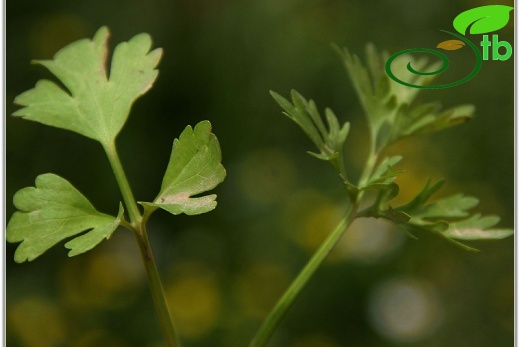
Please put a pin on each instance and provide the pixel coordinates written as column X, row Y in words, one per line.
column 449, row 217
column 389, row 106
column 426, row 192
column 454, row 206
column 94, row 104
column 311, row 124
column 305, row 113
column 89, row 240
column 384, row 174
column 477, row 227
column 195, row 167
column 52, row 211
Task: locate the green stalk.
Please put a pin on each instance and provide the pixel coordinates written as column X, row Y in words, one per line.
column 367, row 171
column 159, row 300
column 369, row 167
column 292, row 293
column 138, row 226
column 124, row 186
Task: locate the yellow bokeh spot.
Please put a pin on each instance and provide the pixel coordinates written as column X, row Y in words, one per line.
column 420, row 162
column 316, row 226
column 194, row 300
column 309, row 217
column 36, row 322
column 103, row 278
column 259, row 287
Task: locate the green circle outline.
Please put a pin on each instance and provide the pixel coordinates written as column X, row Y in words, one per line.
column 476, row 69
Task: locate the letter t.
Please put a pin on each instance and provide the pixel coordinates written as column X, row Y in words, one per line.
column 485, row 43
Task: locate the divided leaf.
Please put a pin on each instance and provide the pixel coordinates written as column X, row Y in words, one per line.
column 306, row 115
column 195, row 167
column 426, row 192
column 384, row 174
column 52, row 211
column 477, row 228
column 426, row 119
column 483, row 19
column 392, row 115
column 329, row 139
column 389, row 105
column 449, row 217
column 94, row 105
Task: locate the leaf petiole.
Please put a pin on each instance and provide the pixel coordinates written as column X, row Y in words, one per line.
column 138, row 227
column 154, row 281
column 124, row 186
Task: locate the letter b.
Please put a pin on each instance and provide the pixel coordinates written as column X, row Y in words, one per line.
column 496, row 46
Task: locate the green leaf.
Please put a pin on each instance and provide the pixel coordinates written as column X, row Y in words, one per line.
column 427, row 191
column 52, row 211
column 446, row 119
column 305, row 113
column 383, row 175
column 93, row 104
column 477, row 228
column 389, row 106
column 454, row 206
column 483, row 19
column 329, row 140
column 449, row 217
column 194, row 168
column 310, row 123
column 386, row 194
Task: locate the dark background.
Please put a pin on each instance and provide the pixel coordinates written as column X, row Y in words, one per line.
column 224, row 270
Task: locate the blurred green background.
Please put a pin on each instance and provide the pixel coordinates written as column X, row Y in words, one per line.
column 224, row 270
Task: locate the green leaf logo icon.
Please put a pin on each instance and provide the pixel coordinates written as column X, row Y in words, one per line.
column 482, row 20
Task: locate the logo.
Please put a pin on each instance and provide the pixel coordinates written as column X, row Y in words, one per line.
column 479, row 20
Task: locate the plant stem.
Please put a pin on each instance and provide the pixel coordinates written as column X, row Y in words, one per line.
column 369, row 167
column 154, row 281
column 139, row 230
column 292, row 293
column 124, row 186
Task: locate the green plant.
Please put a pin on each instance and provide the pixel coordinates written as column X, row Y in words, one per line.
column 392, row 114
column 97, row 106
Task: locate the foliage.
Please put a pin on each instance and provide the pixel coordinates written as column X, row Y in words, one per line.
column 92, row 103
column 97, row 105
column 53, row 211
column 393, row 114
column 194, row 168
